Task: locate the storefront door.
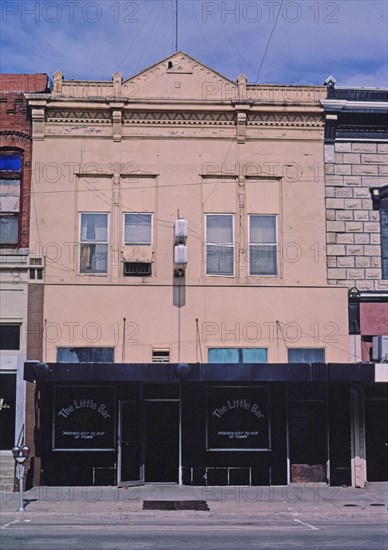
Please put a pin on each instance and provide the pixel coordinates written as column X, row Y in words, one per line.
column 130, row 469
column 376, row 432
column 161, row 420
column 7, row 410
column 308, row 440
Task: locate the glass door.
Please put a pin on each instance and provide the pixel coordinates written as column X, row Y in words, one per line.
column 130, row 469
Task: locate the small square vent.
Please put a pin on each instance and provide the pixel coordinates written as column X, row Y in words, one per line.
column 160, row 355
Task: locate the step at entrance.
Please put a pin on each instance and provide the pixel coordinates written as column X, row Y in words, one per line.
column 7, row 468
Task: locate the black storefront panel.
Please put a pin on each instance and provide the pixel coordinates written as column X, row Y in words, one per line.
column 77, row 427
column 234, row 434
column 237, row 419
column 84, row 418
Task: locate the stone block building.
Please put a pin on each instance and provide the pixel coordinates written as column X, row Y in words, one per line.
column 356, row 185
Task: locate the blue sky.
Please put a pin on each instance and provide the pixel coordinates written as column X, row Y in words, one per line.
column 270, row 41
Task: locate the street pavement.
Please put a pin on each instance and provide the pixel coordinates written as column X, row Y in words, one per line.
column 310, row 500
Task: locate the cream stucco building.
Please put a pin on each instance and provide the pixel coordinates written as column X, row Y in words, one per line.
column 181, row 218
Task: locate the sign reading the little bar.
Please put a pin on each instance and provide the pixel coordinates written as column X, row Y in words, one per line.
column 237, row 419
column 83, row 418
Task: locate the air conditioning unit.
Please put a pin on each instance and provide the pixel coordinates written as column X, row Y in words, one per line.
column 380, row 348
column 137, row 269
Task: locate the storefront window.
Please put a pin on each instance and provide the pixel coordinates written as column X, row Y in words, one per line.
column 238, row 418
column 237, row 355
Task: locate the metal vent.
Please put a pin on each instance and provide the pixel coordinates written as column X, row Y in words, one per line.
column 36, row 261
column 160, row 355
column 137, row 269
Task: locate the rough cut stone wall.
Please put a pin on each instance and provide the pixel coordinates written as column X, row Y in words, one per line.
column 353, row 227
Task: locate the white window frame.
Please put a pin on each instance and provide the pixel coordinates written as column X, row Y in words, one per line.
column 81, row 242
column 152, row 228
column 275, row 244
column 229, row 245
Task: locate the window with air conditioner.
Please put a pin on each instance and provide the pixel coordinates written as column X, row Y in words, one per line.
column 94, row 243
column 263, row 247
column 219, row 244
column 137, row 252
column 10, row 182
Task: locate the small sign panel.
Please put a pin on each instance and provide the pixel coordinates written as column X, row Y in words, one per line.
column 84, row 418
column 238, row 419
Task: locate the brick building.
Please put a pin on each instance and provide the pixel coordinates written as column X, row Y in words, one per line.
column 356, row 184
column 15, row 192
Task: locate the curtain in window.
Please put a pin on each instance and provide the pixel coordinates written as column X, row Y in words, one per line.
column 94, row 227
column 94, row 245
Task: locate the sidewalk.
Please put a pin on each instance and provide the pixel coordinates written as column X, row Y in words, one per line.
column 76, row 504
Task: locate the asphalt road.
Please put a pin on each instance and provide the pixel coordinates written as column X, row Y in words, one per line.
column 202, row 535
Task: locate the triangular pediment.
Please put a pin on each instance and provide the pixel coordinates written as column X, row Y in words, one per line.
column 179, row 77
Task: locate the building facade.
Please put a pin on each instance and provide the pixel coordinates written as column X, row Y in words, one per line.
column 188, row 332
column 356, row 191
column 15, row 183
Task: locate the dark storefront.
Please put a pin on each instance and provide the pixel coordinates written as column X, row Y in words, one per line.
column 208, row 424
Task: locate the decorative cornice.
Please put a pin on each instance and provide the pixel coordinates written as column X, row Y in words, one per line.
column 181, row 118
column 285, row 119
column 79, row 117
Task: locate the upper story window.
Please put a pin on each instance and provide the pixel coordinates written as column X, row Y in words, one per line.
column 219, row 244
column 94, row 243
column 137, row 229
column 306, row 355
column 85, row 355
column 10, row 182
column 237, row 355
column 380, row 202
column 9, row 337
column 263, row 247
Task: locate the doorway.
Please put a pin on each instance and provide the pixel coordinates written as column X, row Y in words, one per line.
column 161, row 445
column 130, row 467
column 7, row 410
column 376, row 439
column 308, row 441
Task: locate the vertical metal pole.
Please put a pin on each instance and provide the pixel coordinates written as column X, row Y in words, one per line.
column 176, row 25
column 21, row 476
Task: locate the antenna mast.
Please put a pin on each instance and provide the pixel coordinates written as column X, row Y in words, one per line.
column 175, row 25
